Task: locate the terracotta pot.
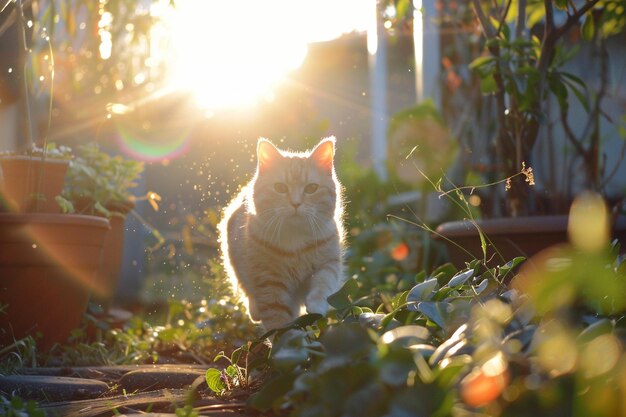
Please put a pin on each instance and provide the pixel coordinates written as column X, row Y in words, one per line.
column 112, row 253
column 48, row 264
column 27, row 176
column 510, row 237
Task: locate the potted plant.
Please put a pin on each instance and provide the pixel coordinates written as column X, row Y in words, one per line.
column 528, row 92
column 47, row 259
column 98, row 184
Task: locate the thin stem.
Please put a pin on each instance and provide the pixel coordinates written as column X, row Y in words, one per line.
column 23, row 62
column 503, row 17
column 521, row 19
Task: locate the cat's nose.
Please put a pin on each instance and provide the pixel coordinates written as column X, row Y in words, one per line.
column 296, row 204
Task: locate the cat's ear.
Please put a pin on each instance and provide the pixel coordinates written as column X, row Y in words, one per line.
column 324, row 153
column 267, row 154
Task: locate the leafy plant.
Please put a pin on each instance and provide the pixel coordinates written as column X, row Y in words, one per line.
column 523, row 66
column 463, row 342
column 233, row 375
column 97, row 183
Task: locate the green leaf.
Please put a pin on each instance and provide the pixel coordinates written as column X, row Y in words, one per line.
column 406, row 335
column 461, row 278
column 588, row 28
column 596, row 329
column 288, row 358
column 305, row 320
column 101, row 209
column 575, row 79
column 504, row 269
column 449, row 375
column 344, row 298
column 231, row 371
column 488, row 85
column 437, row 312
column 421, row 292
column 347, row 340
column 558, row 88
column 402, row 7
column 481, row 61
column 483, row 243
column 561, row 4
column 577, row 92
column 271, row 393
column 214, row 380
column 399, row 300
column 482, row 286
column 65, row 204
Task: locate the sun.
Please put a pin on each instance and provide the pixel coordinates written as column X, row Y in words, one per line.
column 235, row 53
column 230, row 54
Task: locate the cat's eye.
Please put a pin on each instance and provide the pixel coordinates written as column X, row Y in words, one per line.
column 310, row 188
column 280, row 187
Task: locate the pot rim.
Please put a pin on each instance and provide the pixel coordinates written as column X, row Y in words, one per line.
column 33, row 158
column 512, row 225
column 55, row 218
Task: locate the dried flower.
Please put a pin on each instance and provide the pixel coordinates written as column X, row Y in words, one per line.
column 528, row 173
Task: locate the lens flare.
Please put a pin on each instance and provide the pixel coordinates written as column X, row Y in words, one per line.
column 156, row 148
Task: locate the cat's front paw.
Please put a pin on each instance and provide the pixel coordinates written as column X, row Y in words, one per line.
column 316, row 305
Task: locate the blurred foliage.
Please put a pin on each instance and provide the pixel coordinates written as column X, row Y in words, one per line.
column 420, row 144
column 17, row 407
column 460, row 343
column 85, row 37
column 188, row 333
column 389, row 238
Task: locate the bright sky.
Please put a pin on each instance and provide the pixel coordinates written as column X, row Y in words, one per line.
column 233, row 53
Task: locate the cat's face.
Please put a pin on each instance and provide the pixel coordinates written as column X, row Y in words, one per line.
column 296, row 186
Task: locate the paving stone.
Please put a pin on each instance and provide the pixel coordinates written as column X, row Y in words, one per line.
column 159, row 378
column 52, row 388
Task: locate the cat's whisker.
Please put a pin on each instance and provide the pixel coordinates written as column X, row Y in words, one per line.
column 312, row 227
column 315, row 219
column 269, row 228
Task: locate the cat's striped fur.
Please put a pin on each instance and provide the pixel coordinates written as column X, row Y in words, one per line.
column 282, row 236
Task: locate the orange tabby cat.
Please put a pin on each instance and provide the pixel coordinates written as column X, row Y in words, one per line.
column 282, row 236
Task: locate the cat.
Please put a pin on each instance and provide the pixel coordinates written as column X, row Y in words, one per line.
column 282, row 237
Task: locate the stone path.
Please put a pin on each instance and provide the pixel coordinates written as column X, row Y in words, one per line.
column 142, row 390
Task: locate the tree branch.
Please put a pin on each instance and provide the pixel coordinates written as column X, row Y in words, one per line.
column 574, row 18
column 488, row 28
column 547, row 4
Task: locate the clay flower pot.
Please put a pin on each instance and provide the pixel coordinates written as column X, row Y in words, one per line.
column 510, row 237
column 48, row 264
column 112, row 252
column 27, row 176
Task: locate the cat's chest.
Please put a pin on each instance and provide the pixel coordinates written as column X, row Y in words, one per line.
column 298, row 261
